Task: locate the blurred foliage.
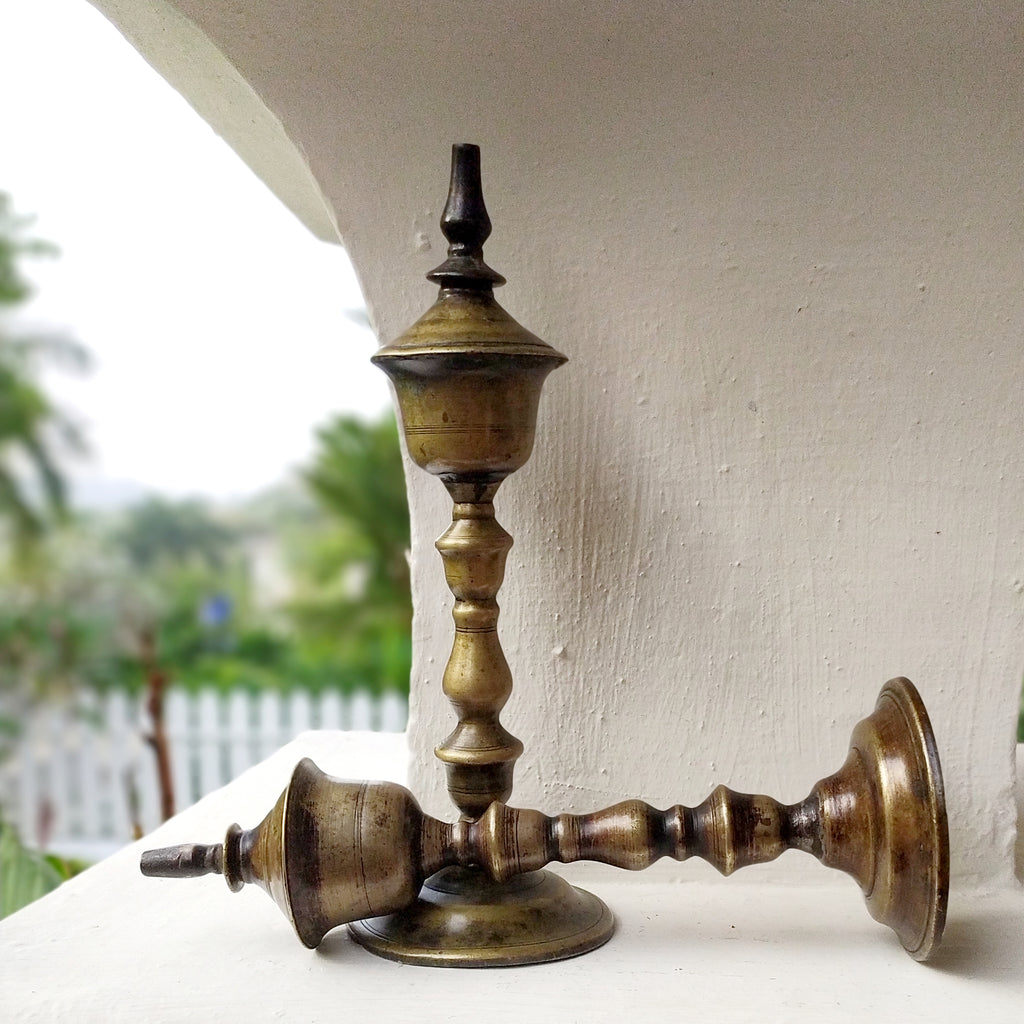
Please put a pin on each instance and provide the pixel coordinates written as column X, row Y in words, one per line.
column 305, row 586
column 60, row 631
column 158, row 533
column 188, row 576
column 26, row 874
column 34, row 433
column 1020, row 719
column 15, row 287
column 79, row 604
column 354, row 602
column 185, row 576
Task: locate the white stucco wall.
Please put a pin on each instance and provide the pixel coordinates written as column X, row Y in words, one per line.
column 781, row 245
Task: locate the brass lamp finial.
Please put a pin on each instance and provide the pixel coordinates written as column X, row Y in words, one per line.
column 466, row 225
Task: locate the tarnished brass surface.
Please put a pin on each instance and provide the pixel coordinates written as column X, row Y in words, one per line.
column 883, row 819
column 463, row 918
column 468, row 380
column 329, row 852
column 334, row 852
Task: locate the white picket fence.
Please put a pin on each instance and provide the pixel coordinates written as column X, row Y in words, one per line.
column 77, row 770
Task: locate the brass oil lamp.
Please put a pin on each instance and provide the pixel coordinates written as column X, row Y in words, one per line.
column 474, row 893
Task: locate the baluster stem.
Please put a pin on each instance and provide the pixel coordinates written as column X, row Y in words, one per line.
column 729, row 830
column 480, row 753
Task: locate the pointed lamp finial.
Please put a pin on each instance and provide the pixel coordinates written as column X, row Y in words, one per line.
column 466, row 225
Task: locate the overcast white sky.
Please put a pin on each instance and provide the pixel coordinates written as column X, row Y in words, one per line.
column 216, row 320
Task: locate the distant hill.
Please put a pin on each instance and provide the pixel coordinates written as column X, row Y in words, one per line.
column 105, row 494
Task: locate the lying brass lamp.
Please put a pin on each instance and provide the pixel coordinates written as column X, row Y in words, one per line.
column 473, row 893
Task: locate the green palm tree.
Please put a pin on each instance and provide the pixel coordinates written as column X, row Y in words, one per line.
column 356, row 605
column 33, row 432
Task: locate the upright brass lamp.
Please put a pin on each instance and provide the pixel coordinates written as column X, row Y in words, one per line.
column 474, row 893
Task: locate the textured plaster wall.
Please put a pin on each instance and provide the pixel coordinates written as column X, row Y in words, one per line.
column 781, row 245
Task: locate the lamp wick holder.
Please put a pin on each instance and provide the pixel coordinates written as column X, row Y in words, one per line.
column 468, row 379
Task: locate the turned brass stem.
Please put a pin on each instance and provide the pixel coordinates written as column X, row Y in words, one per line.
column 479, row 753
column 729, row 830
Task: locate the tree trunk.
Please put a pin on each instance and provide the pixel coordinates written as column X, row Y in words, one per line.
column 156, row 681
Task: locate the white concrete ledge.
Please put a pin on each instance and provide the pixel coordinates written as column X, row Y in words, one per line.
column 114, row 946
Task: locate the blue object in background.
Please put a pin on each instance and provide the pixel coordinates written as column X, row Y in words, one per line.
column 215, row 611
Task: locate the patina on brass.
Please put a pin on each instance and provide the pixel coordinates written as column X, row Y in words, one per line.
column 474, row 893
column 334, row 852
column 468, row 381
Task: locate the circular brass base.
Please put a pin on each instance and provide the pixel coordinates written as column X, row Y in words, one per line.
column 909, row 887
column 463, row 919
